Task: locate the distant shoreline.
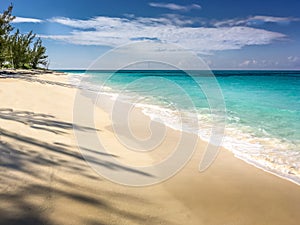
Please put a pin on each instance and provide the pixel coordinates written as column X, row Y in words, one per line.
column 254, row 70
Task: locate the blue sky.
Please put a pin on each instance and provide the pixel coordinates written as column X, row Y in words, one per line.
column 227, row 34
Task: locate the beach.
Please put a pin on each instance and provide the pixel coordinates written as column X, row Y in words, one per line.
column 45, row 179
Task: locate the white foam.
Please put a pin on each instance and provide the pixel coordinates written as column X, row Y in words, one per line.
column 276, row 156
column 267, row 153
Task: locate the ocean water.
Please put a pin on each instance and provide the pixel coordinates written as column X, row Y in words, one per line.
column 262, row 109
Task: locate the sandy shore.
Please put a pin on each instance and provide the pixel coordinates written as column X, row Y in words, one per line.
column 44, row 179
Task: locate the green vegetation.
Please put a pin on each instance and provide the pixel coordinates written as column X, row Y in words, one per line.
column 19, row 50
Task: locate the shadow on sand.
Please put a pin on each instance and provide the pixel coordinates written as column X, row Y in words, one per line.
column 32, row 76
column 31, row 180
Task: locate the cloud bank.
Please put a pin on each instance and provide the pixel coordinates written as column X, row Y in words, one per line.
column 114, row 31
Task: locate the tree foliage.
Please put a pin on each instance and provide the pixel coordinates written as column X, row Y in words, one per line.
column 19, row 50
column 38, row 54
column 5, row 29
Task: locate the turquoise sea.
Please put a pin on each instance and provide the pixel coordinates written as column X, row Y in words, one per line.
column 262, row 109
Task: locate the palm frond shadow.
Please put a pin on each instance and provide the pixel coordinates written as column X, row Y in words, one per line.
column 29, row 169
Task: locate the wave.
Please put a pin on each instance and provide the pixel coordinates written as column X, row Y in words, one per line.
column 278, row 156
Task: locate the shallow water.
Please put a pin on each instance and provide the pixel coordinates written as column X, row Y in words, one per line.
column 262, row 109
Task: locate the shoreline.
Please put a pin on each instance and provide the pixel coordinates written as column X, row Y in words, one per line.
column 242, row 156
column 244, row 159
column 43, row 171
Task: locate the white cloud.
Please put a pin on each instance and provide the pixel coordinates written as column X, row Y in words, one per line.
column 181, row 20
column 293, row 59
column 273, row 19
column 113, row 31
column 245, row 63
column 265, row 63
column 26, row 20
column 173, row 6
column 248, row 62
column 255, row 20
column 102, row 22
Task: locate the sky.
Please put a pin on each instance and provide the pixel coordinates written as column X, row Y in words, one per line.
column 226, row 34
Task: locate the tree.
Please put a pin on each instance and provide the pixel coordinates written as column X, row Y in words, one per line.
column 38, row 54
column 19, row 50
column 5, row 29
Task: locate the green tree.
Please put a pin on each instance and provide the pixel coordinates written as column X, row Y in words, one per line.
column 19, row 50
column 19, row 45
column 5, row 29
column 38, row 54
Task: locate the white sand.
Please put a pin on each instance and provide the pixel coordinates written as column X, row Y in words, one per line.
column 44, row 179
